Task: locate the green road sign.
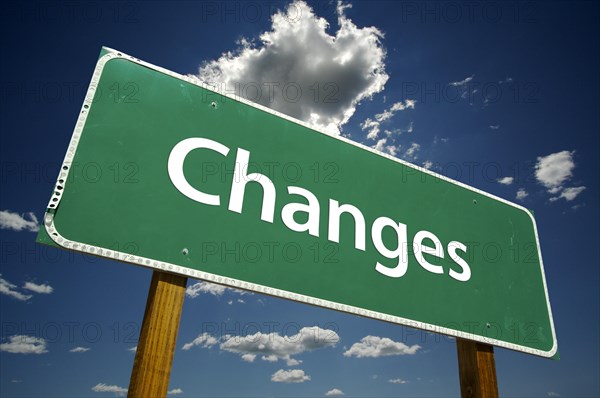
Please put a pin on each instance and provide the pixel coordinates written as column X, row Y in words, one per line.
column 164, row 172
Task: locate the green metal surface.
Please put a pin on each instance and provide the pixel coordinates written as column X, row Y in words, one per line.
column 119, row 195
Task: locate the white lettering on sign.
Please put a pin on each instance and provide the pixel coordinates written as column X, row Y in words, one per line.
column 236, row 201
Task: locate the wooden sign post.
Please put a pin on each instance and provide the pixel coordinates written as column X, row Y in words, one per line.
column 156, row 346
column 476, row 369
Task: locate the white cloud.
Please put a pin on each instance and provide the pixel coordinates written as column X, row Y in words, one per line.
column 506, row 180
column 199, row 288
column 411, row 152
column 382, row 147
column 175, row 391
column 132, row 349
column 397, row 381
column 522, row 194
column 289, row 376
column 293, row 362
column 391, row 111
column 79, row 349
column 273, row 347
column 494, row 126
column 374, row 347
column 428, row 164
column 554, row 170
column 568, row 194
column 22, row 344
column 248, row 357
column 553, row 394
column 373, row 126
column 101, row 387
column 462, row 82
column 334, row 393
column 17, row 222
column 41, row 289
column 10, row 290
column 204, row 340
column 303, row 71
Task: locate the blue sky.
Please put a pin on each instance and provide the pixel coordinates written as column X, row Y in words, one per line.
column 502, row 96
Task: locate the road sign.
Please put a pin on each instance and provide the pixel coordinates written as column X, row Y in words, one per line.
column 163, row 171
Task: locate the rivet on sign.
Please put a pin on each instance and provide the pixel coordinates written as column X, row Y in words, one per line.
column 474, row 201
column 213, row 105
column 185, row 251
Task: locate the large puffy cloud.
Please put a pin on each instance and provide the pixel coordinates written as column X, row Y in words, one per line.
column 22, row 344
column 301, row 70
column 19, row 222
column 374, row 347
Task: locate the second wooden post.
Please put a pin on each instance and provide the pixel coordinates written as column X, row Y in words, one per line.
column 156, row 346
column 477, row 370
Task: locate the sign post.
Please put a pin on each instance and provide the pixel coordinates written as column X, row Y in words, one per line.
column 158, row 335
column 476, row 369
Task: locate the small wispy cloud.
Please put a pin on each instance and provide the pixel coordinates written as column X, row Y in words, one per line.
column 569, row 194
column 522, row 194
column 506, row 180
column 118, row 391
column 79, row 349
column 462, row 82
column 411, row 152
column 494, row 126
column 375, row 347
column 373, row 127
column 23, row 344
column 19, row 222
column 41, row 289
column 175, row 391
column 11, row 290
column 204, row 340
column 213, row 289
column 382, row 146
column 553, row 170
column 397, row 381
column 290, row 376
column 336, row 392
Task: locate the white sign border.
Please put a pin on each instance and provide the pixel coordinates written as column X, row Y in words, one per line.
column 238, row 284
